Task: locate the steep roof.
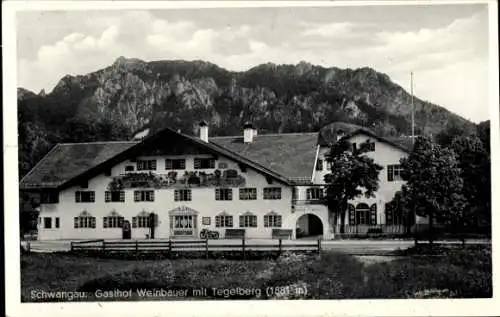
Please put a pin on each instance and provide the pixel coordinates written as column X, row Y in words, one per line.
column 289, row 154
column 68, row 164
column 67, row 160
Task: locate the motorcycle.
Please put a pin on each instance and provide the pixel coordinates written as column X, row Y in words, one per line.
column 208, row 234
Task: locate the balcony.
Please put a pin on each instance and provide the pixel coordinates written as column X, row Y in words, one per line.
column 190, row 179
column 301, row 202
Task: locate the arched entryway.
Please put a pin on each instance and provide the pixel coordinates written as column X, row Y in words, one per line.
column 309, row 225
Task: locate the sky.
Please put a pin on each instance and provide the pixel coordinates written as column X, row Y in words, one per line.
column 445, row 46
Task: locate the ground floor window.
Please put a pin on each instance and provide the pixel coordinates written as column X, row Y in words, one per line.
column 223, row 221
column 84, row 220
column 113, row 220
column 392, row 216
column 362, row 214
column 141, row 221
column 272, row 221
column 57, row 222
column 248, row 221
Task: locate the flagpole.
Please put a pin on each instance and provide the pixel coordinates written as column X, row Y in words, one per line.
column 412, row 110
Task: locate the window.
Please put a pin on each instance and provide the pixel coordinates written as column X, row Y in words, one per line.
column 248, row 221
column 272, row 193
column 84, row 196
column 57, row 222
column 319, row 165
column 47, row 222
column 295, row 193
column 364, row 215
column 129, row 168
column 144, row 195
column 141, row 220
column 223, row 221
column 272, row 220
column 394, row 172
column 354, row 147
column 146, row 165
column 248, row 193
column 182, row 195
column 175, row 164
column 84, row 220
column 114, row 196
column 314, row 193
column 370, row 146
column 49, row 197
column 113, row 220
column 222, row 165
column 392, row 216
column 200, row 163
column 223, row 194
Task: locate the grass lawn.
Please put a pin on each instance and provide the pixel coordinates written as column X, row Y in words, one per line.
column 460, row 274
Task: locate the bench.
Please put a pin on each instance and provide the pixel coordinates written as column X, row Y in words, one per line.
column 234, row 234
column 282, row 233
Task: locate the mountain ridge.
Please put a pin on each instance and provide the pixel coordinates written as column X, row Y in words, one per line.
column 131, row 94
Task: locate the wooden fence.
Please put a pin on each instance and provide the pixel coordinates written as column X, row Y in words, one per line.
column 169, row 246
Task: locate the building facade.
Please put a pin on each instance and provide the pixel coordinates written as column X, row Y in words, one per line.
column 171, row 185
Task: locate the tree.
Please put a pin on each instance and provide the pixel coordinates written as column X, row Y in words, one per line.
column 434, row 186
column 474, row 162
column 451, row 131
column 353, row 174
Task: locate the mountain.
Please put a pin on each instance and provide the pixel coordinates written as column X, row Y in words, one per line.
column 131, row 94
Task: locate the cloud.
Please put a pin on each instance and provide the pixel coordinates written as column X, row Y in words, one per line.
column 446, row 59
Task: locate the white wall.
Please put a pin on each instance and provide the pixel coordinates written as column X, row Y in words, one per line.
column 203, row 200
column 384, row 154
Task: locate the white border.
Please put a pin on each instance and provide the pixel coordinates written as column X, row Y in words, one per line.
column 484, row 307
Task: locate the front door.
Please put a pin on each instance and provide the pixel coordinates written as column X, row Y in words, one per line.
column 126, row 232
column 184, row 225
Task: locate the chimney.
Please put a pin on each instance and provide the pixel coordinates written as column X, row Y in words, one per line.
column 248, row 132
column 203, row 131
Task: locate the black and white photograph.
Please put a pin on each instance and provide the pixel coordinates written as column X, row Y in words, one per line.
column 250, row 153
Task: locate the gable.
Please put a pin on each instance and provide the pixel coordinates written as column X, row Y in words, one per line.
column 90, row 161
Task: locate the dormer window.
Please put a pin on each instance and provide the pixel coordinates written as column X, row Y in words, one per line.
column 319, row 165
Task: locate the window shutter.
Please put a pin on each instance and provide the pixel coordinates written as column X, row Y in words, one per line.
column 137, row 195
column 75, row 222
column 242, row 221
column 196, row 163
column 373, row 214
column 153, row 164
column 92, row 196
column 388, row 214
column 152, row 195
column 77, row 197
column 134, row 222
column 266, row 221
column 212, row 163
column 217, row 194
column 182, row 164
column 107, row 196
column 92, row 222
column 105, row 222
column 122, row 196
column 352, row 215
column 390, row 173
column 230, row 194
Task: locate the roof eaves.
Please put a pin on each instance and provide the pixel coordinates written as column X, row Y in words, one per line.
column 36, row 166
column 382, row 139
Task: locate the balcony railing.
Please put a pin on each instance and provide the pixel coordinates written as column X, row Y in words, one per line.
column 188, row 180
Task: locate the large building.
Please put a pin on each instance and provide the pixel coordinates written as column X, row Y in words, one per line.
column 174, row 185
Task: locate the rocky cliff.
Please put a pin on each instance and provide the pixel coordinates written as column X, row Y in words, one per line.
column 131, row 94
